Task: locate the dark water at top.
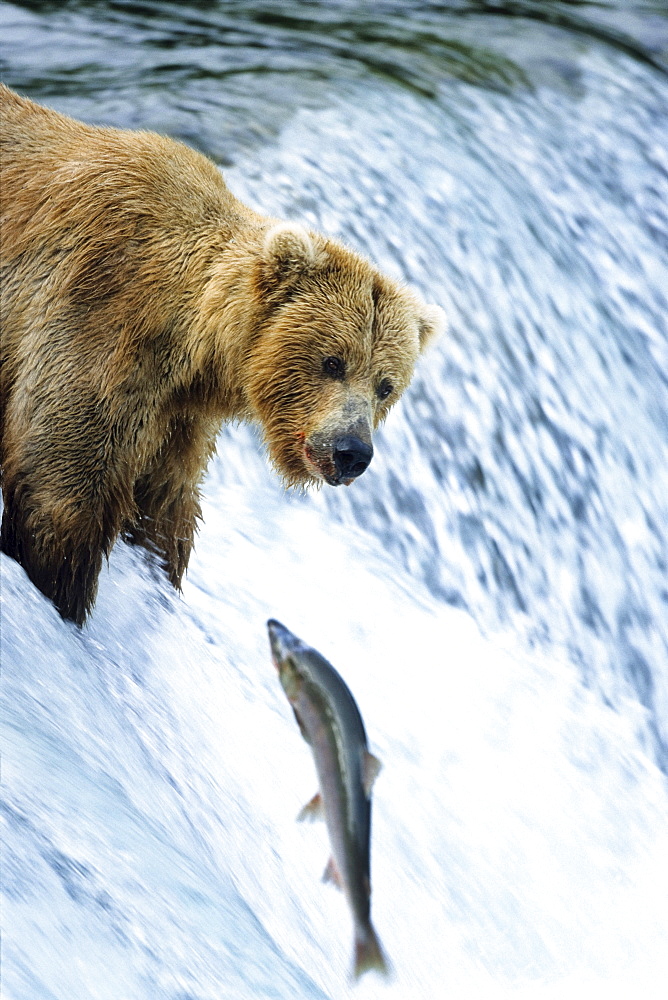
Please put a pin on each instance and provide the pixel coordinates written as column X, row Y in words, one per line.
column 240, row 70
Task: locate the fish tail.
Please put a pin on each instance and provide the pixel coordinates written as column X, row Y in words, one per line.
column 368, row 952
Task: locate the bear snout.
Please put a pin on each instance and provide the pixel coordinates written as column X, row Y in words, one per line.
column 338, row 458
column 351, row 456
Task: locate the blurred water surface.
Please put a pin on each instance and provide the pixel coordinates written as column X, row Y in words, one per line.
column 510, row 160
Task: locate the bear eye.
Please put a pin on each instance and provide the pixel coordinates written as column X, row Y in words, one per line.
column 384, row 389
column 334, row 367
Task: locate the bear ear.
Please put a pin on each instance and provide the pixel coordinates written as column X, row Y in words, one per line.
column 287, row 251
column 432, row 323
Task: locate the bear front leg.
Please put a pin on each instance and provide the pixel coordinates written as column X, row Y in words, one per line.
column 166, row 495
column 67, row 490
column 64, row 571
column 61, row 549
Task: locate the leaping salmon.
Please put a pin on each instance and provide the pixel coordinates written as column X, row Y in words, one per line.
column 330, row 722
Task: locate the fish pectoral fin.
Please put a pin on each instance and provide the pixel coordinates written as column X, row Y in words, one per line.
column 313, row 810
column 371, row 768
column 332, row 874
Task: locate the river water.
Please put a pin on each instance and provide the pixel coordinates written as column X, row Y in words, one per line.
column 494, row 588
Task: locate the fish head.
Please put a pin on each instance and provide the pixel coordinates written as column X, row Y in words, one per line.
column 284, row 649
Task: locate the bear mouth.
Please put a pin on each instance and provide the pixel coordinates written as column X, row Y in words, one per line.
column 338, row 481
column 322, row 467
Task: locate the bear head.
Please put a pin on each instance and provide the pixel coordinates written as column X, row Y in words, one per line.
column 334, row 353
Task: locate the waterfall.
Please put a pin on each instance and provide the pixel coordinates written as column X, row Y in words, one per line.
column 494, row 589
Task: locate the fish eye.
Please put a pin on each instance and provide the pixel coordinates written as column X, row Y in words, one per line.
column 384, row 389
column 334, row 367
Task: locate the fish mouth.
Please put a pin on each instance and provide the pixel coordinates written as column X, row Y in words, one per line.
column 283, row 642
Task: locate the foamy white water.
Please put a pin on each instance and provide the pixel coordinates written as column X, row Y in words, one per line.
column 154, row 772
column 494, row 589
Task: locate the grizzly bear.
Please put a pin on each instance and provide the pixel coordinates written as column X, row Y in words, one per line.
column 142, row 305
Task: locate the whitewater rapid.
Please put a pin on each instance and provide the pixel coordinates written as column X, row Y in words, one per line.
column 494, row 589
column 154, row 773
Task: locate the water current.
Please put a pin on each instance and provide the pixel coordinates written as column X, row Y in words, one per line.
column 494, row 588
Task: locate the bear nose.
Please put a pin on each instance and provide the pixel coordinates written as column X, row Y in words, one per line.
column 351, row 456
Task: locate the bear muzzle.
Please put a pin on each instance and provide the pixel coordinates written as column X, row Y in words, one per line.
column 338, row 459
column 339, row 449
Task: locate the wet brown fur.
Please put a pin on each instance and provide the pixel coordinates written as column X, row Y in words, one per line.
column 142, row 305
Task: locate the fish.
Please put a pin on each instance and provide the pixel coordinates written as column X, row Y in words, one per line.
column 330, row 722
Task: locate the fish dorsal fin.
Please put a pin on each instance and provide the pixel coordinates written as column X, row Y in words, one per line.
column 313, row 810
column 371, row 767
column 332, row 874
